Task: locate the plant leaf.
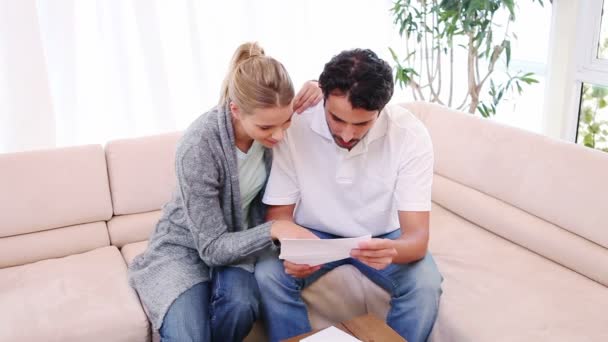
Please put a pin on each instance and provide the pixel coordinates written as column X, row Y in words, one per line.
column 507, row 45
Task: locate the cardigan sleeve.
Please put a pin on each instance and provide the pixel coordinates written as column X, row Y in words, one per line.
column 200, row 188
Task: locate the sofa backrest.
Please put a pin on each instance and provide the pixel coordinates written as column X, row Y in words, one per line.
column 53, row 203
column 544, row 194
column 142, row 180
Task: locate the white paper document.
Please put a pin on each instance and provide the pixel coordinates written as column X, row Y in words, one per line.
column 315, row 252
column 331, row 334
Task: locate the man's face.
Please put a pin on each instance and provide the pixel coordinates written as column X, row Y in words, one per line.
column 347, row 125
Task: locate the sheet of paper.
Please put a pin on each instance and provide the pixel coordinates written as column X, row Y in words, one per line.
column 314, row 260
column 331, row 334
column 315, row 252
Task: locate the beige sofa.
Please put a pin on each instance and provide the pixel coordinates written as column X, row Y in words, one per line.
column 519, row 231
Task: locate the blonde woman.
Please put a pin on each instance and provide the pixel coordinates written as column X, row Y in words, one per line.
column 195, row 279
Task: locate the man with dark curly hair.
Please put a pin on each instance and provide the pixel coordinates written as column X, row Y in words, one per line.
column 355, row 166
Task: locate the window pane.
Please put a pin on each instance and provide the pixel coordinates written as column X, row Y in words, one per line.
column 602, row 49
column 593, row 117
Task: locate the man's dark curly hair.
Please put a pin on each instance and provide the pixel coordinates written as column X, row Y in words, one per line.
column 360, row 74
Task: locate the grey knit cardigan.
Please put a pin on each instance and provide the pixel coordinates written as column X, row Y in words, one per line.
column 202, row 226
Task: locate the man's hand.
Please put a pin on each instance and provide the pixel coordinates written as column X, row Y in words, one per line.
column 308, row 96
column 376, row 253
column 298, row 270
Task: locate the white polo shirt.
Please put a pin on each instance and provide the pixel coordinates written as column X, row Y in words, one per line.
column 357, row 192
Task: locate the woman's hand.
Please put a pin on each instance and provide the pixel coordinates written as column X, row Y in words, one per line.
column 308, row 96
column 282, row 229
column 298, row 270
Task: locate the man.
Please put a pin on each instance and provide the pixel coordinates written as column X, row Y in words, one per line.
column 354, row 167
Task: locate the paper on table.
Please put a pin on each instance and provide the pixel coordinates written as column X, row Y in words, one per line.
column 315, row 252
column 332, row 334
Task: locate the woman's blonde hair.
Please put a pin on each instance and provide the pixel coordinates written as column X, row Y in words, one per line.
column 255, row 80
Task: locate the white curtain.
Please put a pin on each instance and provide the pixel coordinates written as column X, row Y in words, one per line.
column 88, row 71
column 26, row 119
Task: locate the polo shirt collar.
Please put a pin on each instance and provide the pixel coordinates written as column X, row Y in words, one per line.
column 379, row 128
column 319, row 125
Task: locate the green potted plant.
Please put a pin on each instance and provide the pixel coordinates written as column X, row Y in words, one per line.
column 435, row 30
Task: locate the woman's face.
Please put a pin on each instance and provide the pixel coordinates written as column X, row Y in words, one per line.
column 265, row 125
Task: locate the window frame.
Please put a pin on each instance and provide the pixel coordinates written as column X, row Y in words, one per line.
column 588, row 67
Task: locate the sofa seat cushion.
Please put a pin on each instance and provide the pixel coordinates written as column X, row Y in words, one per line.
column 495, row 290
column 343, row 294
column 82, row 297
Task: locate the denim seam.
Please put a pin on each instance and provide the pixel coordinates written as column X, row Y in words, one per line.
column 214, row 296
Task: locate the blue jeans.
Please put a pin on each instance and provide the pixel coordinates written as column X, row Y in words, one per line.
column 415, row 289
column 223, row 309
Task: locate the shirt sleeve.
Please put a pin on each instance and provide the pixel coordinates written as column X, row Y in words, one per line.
column 415, row 175
column 283, row 187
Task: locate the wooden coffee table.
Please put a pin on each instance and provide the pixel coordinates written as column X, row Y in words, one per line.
column 367, row 328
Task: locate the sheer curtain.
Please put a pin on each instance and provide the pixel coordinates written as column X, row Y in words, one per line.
column 87, row 71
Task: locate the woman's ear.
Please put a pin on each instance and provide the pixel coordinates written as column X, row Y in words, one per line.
column 236, row 111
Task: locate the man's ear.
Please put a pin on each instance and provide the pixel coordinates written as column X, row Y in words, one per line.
column 236, row 111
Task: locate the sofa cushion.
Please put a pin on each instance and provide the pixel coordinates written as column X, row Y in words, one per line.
column 495, row 290
column 343, row 294
column 83, row 297
column 142, row 172
column 130, row 251
column 125, row 229
column 526, row 230
column 54, row 243
column 53, row 188
column 560, row 182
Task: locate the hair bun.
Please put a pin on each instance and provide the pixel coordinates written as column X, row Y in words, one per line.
column 255, row 50
column 252, row 73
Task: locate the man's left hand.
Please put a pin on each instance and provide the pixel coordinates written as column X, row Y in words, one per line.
column 375, row 253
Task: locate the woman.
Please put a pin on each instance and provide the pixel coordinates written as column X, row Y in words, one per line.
column 195, row 279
